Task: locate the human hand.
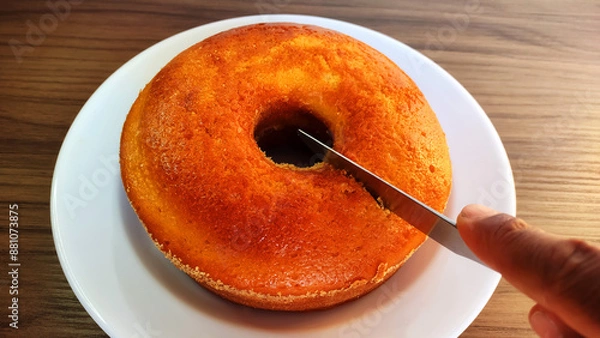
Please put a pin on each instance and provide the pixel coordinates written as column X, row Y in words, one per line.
column 561, row 275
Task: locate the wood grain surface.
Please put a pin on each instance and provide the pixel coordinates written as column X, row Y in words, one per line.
column 534, row 66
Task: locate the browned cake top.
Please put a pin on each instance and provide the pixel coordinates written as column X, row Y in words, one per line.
column 234, row 219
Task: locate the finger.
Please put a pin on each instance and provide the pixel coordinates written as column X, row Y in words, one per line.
column 560, row 274
column 548, row 325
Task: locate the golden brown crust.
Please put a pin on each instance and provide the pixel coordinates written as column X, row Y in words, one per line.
column 268, row 235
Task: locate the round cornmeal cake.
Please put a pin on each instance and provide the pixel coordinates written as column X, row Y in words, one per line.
column 275, row 235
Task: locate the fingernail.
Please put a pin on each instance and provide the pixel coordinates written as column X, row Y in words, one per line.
column 476, row 211
column 543, row 325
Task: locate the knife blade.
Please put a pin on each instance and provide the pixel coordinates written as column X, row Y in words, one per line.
column 424, row 218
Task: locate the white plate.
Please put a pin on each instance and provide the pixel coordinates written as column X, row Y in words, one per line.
column 131, row 290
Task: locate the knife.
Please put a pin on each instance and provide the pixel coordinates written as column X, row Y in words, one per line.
column 427, row 220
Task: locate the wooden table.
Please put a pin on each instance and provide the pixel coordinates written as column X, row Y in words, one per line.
column 533, row 66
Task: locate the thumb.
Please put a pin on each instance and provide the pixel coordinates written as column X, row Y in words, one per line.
column 548, row 325
column 561, row 275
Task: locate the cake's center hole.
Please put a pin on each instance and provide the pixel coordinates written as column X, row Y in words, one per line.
column 277, row 136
